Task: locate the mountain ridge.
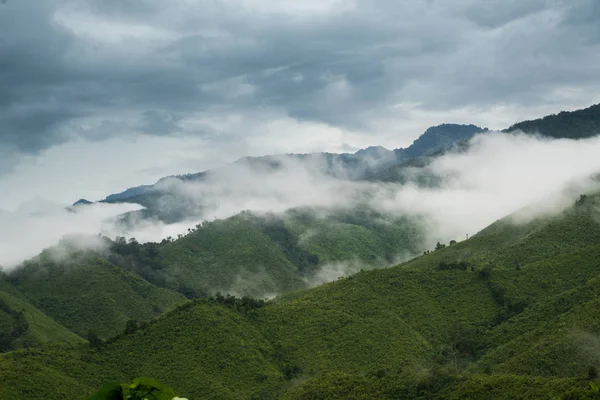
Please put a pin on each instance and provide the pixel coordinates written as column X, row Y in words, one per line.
column 430, row 328
column 434, row 139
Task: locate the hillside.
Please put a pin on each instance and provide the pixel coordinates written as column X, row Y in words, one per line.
column 566, row 124
column 231, row 255
column 82, row 291
column 264, row 254
column 23, row 325
column 516, row 322
column 440, row 137
column 248, row 254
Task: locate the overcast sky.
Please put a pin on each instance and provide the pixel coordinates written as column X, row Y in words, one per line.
column 96, row 96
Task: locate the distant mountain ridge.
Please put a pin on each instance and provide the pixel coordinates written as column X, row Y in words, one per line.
column 356, row 166
column 577, row 124
column 374, row 163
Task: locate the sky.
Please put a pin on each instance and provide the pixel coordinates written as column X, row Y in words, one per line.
column 97, row 96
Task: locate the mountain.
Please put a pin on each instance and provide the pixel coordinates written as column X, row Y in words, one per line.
column 577, row 124
column 168, row 202
column 131, row 192
column 511, row 313
column 373, row 163
column 82, row 202
column 82, row 291
column 248, row 254
column 261, row 254
column 23, row 325
column 438, row 138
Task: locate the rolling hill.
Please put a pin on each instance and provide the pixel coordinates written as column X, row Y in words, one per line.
column 23, row 325
column 249, row 254
column 510, row 313
column 263, row 254
column 82, row 291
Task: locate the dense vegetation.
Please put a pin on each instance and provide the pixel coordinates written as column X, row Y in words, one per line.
column 82, row 291
column 10, row 330
column 439, row 138
column 85, row 292
column 23, row 325
column 511, row 313
column 567, row 124
column 258, row 255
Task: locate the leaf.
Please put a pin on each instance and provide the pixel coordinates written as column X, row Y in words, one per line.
column 111, row 391
column 153, row 383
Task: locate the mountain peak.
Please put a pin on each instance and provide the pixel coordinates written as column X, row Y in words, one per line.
column 373, row 151
column 440, row 137
column 81, row 202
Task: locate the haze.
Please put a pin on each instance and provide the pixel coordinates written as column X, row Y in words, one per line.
column 100, row 96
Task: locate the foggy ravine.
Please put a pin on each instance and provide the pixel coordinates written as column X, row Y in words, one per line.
column 498, row 175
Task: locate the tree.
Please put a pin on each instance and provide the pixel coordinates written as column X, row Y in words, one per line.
column 518, row 265
column 485, row 273
column 94, row 341
column 439, row 246
column 131, row 327
column 140, row 389
column 581, row 200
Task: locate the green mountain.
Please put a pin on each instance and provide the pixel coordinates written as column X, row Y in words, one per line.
column 248, row 254
column 82, row 291
column 511, row 313
column 23, row 325
column 264, row 254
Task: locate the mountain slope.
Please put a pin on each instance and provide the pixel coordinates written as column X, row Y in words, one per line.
column 262, row 254
column 83, row 291
column 22, row 325
column 429, row 328
column 566, row 124
column 230, row 255
column 440, row 137
column 519, row 239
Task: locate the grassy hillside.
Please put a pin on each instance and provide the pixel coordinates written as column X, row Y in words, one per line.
column 434, row 327
column 83, row 291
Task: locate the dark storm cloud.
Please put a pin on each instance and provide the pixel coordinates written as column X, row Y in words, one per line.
column 101, row 68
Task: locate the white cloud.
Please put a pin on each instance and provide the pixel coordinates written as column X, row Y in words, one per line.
column 499, row 175
column 42, row 224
